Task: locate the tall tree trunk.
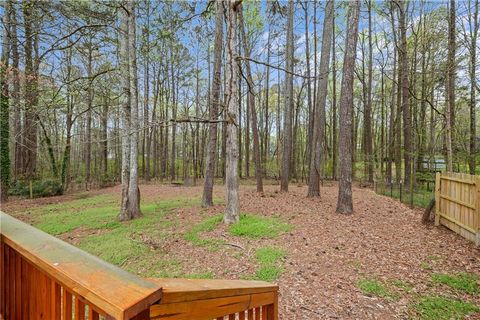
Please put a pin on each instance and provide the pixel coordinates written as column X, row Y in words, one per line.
column 173, row 155
column 345, row 203
column 266, row 101
column 207, row 198
column 31, row 94
column 4, row 105
column 251, row 99
column 473, row 82
column 232, row 211
column 310, row 107
column 368, row 103
column 318, row 147
column 146, row 101
column 15, row 94
column 334, row 103
column 133, row 190
column 88, row 145
column 449, row 114
column 125, row 132
column 65, row 173
column 287, row 130
column 407, row 119
column 104, row 143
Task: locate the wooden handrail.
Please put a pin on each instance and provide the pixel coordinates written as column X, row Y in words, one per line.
column 44, row 277
column 206, row 299
column 108, row 289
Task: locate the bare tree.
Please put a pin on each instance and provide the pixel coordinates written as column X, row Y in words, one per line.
column 232, row 211
column 130, row 207
column 251, row 102
column 4, row 105
column 318, row 147
column 474, row 24
column 288, row 111
column 368, row 103
column 405, row 85
column 449, row 114
column 207, row 198
column 344, row 202
column 133, row 190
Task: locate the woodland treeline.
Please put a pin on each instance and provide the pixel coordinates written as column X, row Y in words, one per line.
column 96, row 93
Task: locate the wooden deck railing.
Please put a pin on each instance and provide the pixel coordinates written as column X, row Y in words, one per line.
column 215, row 299
column 42, row 277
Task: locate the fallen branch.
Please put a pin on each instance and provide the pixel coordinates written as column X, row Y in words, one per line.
column 234, row 245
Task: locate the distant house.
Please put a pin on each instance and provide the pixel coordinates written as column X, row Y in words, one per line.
column 434, row 164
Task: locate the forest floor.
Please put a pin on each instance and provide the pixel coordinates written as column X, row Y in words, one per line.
column 379, row 263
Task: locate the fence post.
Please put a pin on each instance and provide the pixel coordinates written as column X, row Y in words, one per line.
column 477, row 210
column 437, row 198
column 400, row 190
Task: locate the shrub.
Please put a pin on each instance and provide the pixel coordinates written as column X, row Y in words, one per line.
column 40, row 188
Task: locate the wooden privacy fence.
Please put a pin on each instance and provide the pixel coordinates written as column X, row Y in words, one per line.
column 43, row 277
column 457, row 200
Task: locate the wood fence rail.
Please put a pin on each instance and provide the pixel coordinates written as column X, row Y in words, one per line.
column 42, row 277
column 457, row 200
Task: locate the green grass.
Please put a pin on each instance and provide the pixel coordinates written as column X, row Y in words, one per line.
column 98, row 212
column 373, row 287
column 116, row 242
column 269, row 255
column 255, row 227
column 465, row 282
column 426, row 266
column 193, row 235
column 405, row 286
column 442, row 308
column 270, row 260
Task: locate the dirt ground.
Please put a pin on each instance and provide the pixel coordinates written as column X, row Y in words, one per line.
column 327, row 253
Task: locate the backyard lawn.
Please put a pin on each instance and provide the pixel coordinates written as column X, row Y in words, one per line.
column 380, row 263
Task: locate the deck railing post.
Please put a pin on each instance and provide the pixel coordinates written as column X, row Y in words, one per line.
column 437, row 198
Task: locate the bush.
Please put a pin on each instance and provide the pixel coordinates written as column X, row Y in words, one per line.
column 40, row 188
column 107, row 181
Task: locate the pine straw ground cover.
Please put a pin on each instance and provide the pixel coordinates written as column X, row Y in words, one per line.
column 379, row 263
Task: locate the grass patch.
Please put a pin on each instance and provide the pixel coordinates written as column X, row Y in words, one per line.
column 405, row 286
column 269, row 255
column 426, row 266
column 207, row 225
column 372, row 287
column 114, row 247
column 154, row 266
column 441, row 308
column 268, row 273
column 465, row 282
column 98, row 212
column 253, row 226
column 269, row 259
column 116, row 243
